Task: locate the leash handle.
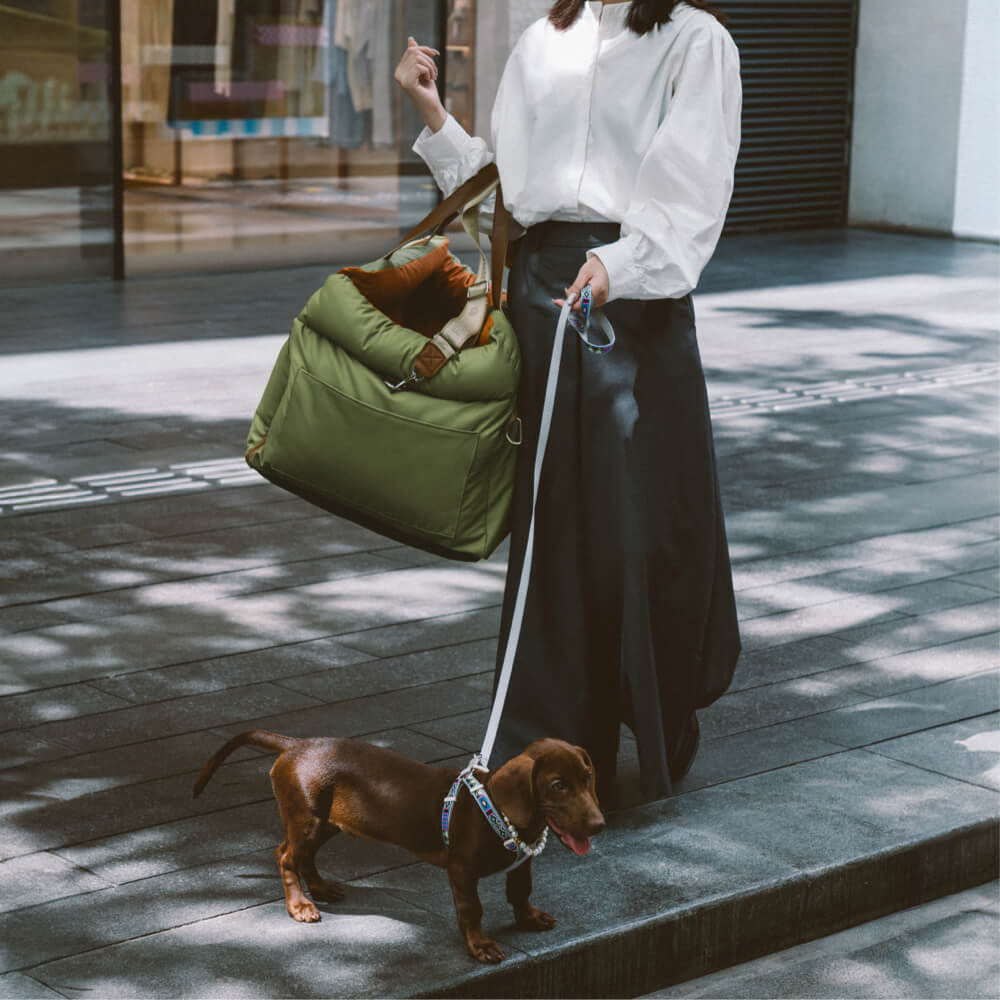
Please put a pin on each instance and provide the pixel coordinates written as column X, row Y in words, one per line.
column 520, row 600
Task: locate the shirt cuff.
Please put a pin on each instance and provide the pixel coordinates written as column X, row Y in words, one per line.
column 448, row 144
column 617, row 259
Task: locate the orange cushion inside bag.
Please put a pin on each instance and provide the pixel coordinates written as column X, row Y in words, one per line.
column 421, row 295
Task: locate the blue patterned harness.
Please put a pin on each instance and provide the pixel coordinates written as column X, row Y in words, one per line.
column 502, row 826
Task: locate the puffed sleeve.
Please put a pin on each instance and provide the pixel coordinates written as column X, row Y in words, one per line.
column 452, row 154
column 685, row 178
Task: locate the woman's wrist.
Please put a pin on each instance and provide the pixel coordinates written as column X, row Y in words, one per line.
column 432, row 112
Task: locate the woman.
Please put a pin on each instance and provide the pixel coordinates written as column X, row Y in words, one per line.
column 615, row 130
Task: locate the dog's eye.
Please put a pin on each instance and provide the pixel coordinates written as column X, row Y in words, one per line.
column 558, row 785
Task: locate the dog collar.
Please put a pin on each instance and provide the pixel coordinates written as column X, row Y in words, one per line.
column 501, row 825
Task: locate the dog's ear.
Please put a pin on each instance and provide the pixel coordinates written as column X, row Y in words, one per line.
column 589, row 764
column 513, row 789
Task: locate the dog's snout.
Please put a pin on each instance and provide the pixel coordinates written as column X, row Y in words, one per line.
column 597, row 826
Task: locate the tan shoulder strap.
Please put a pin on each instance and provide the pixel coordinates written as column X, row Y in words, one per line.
column 451, row 207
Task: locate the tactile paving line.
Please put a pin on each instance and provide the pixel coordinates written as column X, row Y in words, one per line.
column 798, row 397
column 44, row 494
column 49, row 494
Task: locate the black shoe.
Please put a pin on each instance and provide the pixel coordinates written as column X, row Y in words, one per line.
column 682, row 753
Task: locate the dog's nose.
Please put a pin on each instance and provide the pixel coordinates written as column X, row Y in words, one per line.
column 597, row 826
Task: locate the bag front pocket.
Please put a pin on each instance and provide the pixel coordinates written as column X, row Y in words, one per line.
column 366, row 457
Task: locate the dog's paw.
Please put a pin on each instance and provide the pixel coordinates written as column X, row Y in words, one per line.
column 533, row 919
column 304, row 912
column 327, row 892
column 485, row 950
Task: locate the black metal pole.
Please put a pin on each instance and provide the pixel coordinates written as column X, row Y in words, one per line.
column 114, row 21
column 442, row 47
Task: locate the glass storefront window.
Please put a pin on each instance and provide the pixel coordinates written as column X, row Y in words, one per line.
column 249, row 133
column 263, row 132
column 57, row 158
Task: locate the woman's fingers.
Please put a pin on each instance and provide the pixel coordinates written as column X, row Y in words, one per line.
column 426, row 65
column 412, row 43
column 417, row 67
column 594, row 274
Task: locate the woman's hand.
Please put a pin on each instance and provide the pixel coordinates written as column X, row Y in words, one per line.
column 592, row 273
column 417, row 75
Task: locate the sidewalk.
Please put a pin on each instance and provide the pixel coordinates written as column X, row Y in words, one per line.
column 938, row 951
column 156, row 598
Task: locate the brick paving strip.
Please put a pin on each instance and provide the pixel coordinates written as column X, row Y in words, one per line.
column 852, row 769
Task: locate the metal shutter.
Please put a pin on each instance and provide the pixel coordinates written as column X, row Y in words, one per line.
column 797, row 58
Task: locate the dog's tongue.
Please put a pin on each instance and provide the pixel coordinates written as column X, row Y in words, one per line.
column 578, row 847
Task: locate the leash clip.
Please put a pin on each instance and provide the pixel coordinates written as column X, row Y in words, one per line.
column 412, row 379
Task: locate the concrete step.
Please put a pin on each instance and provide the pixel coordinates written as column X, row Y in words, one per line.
column 671, row 891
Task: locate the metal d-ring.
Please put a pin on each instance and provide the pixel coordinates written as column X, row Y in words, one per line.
column 516, row 421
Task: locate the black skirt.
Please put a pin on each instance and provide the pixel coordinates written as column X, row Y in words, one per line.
column 630, row 612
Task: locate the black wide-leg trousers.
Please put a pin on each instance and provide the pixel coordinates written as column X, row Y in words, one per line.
column 630, row 612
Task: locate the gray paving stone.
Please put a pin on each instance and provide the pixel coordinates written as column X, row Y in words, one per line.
column 893, row 511
column 922, row 708
column 215, row 709
column 19, row 711
column 803, row 623
column 411, row 708
column 935, row 595
column 868, row 550
column 796, row 698
column 893, row 573
column 410, row 743
column 396, row 673
column 138, row 854
column 20, row 987
column 37, row 878
column 988, row 579
column 77, row 774
column 988, row 526
column 912, row 633
column 428, row 633
column 752, row 752
column 463, row 729
column 984, row 555
column 793, row 659
column 377, row 945
column 18, row 748
column 25, row 617
column 969, row 751
column 34, row 822
column 93, row 921
column 888, row 675
column 237, row 670
column 916, row 584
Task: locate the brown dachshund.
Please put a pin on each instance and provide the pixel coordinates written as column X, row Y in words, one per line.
column 324, row 786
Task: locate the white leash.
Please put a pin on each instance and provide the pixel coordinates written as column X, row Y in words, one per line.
column 520, row 600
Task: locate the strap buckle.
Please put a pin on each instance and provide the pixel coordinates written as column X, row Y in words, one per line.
column 478, row 289
column 412, row 379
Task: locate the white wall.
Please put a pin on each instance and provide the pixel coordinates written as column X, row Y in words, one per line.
column 926, row 134
column 977, row 189
column 907, row 97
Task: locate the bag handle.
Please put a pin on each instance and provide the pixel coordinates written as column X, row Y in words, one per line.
column 453, row 205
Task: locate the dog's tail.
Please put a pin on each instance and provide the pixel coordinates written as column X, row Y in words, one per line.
column 255, row 737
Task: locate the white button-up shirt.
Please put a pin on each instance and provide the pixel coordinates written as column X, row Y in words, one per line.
column 596, row 123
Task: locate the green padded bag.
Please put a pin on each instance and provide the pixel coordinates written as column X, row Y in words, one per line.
column 405, row 429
